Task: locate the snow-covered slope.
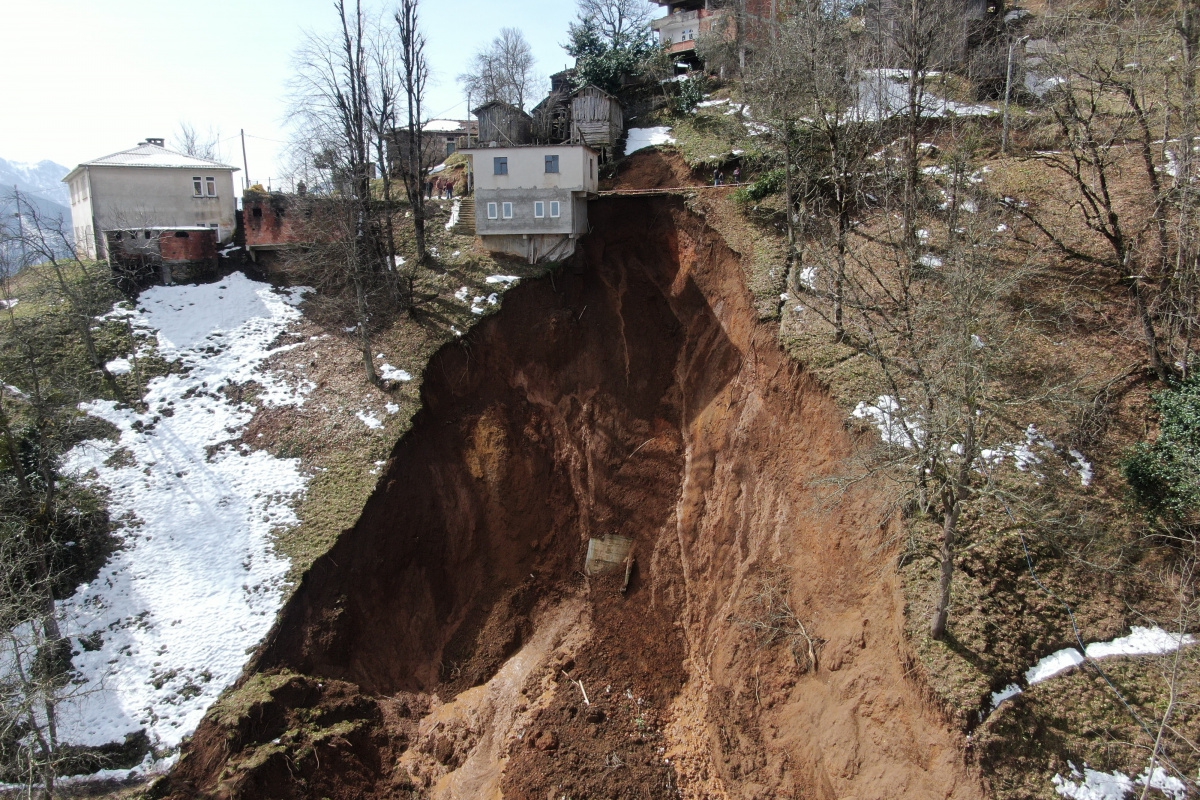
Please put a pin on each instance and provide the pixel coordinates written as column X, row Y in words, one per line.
column 168, row 622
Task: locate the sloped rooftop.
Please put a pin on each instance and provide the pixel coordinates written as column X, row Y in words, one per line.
column 151, row 155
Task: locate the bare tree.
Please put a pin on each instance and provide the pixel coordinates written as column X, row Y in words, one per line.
column 193, row 143
column 616, row 20
column 414, row 75
column 333, row 102
column 503, row 70
column 47, row 241
column 1111, row 114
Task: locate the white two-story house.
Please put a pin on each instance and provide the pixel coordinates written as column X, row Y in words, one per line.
column 149, row 187
column 531, row 200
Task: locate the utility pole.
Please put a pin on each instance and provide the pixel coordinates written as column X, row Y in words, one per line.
column 245, row 164
column 20, row 227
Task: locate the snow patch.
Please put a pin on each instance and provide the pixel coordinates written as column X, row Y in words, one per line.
column 119, row 366
column 454, row 214
column 1141, row 641
column 369, row 419
column 390, row 373
column 197, row 581
column 885, row 413
column 504, row 279
column 1096, row 785
column 641, row 138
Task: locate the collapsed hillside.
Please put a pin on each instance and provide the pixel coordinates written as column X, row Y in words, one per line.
column 450, row 645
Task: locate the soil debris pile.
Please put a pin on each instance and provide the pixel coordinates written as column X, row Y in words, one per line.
column 450, row 645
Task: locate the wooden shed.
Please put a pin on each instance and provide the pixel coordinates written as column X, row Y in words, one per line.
column 596, row 119
column 503, row 124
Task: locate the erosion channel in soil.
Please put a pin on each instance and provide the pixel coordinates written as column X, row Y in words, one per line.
column 445, row 645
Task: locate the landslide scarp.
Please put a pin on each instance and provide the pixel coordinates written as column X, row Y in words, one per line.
column 632, row 393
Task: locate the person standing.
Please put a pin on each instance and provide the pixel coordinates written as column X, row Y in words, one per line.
column 737, row 175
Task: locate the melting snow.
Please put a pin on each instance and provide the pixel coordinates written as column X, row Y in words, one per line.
column 1096, row 785
column 390, row 373
column 369, row 419
column 462, row 294
column 119, row 366
column 505, row 279
column 641, row 138
column 454, row 214
column 1140, row 642
column 1083, row 466
column 197, row 581
column 885, row 413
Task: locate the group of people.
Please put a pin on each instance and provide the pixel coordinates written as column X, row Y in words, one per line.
column 719, row 176
column 444, row 188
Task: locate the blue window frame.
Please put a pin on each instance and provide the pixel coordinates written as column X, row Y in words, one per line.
column 500, row 164
column 551, row 164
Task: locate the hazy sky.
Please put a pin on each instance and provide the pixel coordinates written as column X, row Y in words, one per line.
column 80, row 79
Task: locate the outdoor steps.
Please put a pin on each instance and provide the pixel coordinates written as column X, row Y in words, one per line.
column 466, row 217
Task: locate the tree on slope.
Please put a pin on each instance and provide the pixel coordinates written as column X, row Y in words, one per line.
column 414, row 75
column 334, row 98
column 502, row 71
column 610, row 41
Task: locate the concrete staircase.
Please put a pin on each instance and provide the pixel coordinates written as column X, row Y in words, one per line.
column 466, row 218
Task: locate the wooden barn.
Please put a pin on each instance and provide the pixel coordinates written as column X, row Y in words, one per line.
column 503, row 125
column 596, row 119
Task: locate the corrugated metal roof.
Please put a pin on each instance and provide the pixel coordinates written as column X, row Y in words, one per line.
column 151, row 155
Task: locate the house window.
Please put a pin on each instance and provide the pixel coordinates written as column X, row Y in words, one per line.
column 500, row 165
column 493, row 211
column 508, row 210
column 539, row 209
column 551, row 164
column 197, row 187
column 211, row 185
column 555, row 208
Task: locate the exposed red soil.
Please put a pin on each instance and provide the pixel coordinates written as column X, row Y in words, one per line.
column 632, row 393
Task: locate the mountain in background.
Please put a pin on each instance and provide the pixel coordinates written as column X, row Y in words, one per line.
column 41, row 188
column 43, row 179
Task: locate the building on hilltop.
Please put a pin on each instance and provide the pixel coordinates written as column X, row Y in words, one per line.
column 503, row 125
column 148, row 187
column 685, row 22
column 597, row 120
column 440, row 137
column 531, row 201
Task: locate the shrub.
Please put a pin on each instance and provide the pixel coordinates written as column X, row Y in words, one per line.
column 1164, row 476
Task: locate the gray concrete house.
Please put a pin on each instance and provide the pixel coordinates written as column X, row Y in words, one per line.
column 149, row 187
column 532, row 201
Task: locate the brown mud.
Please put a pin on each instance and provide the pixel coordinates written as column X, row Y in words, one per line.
column 445, row 645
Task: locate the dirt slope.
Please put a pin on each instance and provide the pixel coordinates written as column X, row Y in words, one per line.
column 445, row 645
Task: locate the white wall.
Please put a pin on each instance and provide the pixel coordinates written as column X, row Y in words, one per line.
column 114, row 197
column 577, row 168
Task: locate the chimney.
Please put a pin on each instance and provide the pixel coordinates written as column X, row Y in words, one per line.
column 155, row 142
